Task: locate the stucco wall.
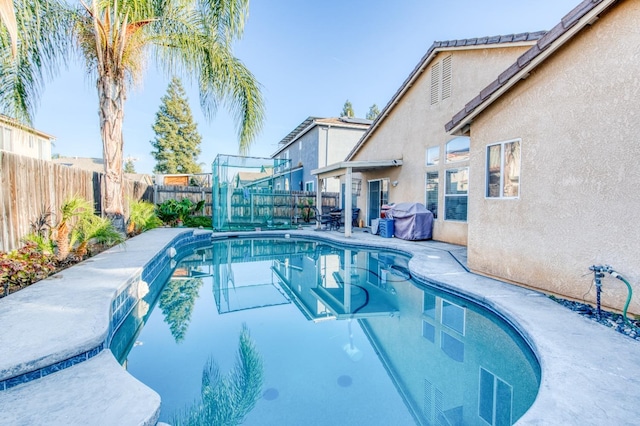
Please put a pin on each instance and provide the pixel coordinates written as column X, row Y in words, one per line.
column 335, row 147
column 24, row 142
column 580, row 168
column 414, row 125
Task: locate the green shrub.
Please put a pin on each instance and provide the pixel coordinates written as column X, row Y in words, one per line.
column 142, row 217
column 172, row 211
column 198, row 221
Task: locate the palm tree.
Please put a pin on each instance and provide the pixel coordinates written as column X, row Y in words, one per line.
column 118, row 38
column 93, row 228
column 8, row 17
column 72, row 207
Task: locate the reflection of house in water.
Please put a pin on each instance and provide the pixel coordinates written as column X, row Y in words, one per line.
column 455, row 365
column 324, row 282
column 238, row 285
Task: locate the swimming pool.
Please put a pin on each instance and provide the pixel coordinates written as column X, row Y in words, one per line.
column 344, row 335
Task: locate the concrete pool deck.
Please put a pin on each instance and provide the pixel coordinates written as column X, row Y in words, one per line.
column 590, row 373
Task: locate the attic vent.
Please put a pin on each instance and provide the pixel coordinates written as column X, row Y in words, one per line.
column 446, row 77
column 435, row 83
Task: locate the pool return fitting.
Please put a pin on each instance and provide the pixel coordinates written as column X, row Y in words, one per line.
column 598, row 274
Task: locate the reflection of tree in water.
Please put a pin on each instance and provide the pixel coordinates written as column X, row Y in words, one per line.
column 226, row 400
column 176, row 302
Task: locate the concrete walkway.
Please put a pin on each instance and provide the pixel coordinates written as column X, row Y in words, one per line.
column 590, row 373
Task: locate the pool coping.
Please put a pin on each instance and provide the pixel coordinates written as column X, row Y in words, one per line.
column 589, row 372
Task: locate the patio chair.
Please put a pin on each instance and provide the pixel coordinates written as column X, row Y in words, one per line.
column 325, row 219
column 354, row 217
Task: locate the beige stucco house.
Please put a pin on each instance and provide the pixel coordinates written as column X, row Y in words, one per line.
column 24, row 140
column 553, row 170
column 406, row 155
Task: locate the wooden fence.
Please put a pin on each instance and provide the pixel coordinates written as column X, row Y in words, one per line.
column 30, row 187
column 162, row 193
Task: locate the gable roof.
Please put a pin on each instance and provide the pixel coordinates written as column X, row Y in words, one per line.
column 523, row 39
column 586, row 13
column 311, row 122
column 5, row 119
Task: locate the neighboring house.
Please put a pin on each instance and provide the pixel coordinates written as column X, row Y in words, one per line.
column 24, row 140
column 97, row 165
column 315, row 143
column 406, row 155
column 554, row 169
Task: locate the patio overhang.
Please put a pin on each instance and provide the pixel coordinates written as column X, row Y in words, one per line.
column 347, row 168
column 340, row 169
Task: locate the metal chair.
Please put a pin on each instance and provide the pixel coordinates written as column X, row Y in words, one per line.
column 325, row 219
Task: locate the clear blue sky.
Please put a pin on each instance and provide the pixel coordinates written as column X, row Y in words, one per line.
column 309, row 56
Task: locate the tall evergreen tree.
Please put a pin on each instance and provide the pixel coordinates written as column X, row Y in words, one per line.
column 373, row 112
column 347, row 110
column 177, row 141
column 129, row 167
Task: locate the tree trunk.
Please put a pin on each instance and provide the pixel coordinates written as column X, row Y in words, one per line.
column 111, row 95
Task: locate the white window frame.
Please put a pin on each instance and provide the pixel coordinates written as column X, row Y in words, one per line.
column 426, row 156
column 495, row 380
column 447, row 195
column 457, row 139
column 309, row 184
column 437, row 191
column 501, row 195
column 464, row 316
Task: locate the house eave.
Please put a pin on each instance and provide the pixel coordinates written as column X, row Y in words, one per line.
column 339, row 169
column 471, row 111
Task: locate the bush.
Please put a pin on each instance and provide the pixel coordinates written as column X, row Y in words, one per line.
column 172, row 211
column 142, row 217
column 198, row 221
column 22, row 267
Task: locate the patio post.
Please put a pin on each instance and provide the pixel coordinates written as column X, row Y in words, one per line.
column 318, row 200
column 348, row 197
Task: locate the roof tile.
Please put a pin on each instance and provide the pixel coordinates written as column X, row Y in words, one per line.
column 544, row 41
column 551, row 36
column 439, row 45
column 487, row 91
column 473, row 104
column 528, row 56
column 571, row 18
column 508, row 73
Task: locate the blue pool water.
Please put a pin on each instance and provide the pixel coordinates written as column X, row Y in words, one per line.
column 328, row 335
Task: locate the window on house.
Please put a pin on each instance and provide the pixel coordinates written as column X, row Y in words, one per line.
column 428, row 331
column 433, row 156
column 503, row 170
column 6, row 139
column 458, row 149
column 308, row 186
column 495, row 399
column 453, row 316
column 441, row 80
column 429, row 305
column 451, row 346
column 432, row 192
column 456, row 194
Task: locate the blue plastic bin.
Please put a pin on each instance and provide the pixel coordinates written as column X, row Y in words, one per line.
column 385, row 228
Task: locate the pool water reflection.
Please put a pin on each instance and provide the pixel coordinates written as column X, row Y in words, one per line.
column 341, row 335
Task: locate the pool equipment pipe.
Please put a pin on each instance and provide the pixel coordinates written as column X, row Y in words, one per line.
column 598, row 274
